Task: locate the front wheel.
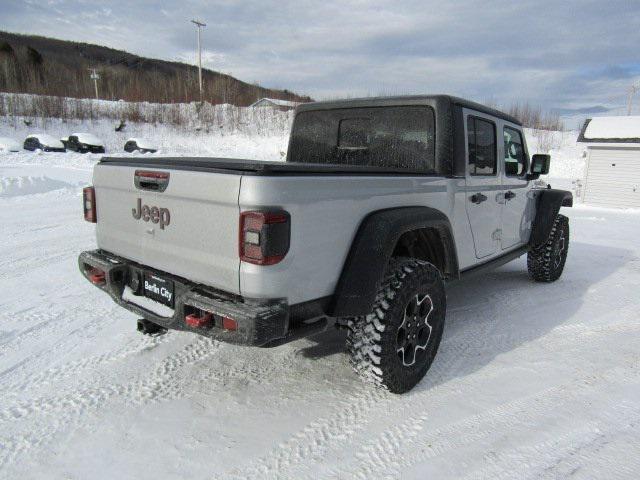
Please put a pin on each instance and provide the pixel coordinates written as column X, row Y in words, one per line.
column 545, row 263
column 395, row 344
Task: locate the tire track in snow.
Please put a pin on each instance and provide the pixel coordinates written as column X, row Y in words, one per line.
column 460, row 351
column 76, row 368
column 333, row 431
column 62, row 327
column 62, row 412
column 564, row 454
column 328, row 432
column 403, row 446
column 139, row 391
column 67, row 410
column 43, row 324
column 350, row 414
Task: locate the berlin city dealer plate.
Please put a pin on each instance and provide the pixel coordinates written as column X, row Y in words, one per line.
column 158, row 289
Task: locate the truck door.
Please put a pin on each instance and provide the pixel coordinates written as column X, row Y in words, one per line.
column 516, row 224
column 483, row 185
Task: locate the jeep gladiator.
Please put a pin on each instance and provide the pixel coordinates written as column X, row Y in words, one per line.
column 380, row 203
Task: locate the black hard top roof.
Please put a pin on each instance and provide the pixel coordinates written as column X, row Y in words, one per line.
column 404, row 100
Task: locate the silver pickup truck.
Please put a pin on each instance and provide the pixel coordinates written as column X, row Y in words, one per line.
column 381, row 202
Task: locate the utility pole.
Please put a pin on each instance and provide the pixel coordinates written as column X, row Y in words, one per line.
column 632, row 90
column 95, row 77
column 199, row 26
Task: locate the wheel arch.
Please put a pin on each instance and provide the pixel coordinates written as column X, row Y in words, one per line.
column 548, row 206
column 382, row 235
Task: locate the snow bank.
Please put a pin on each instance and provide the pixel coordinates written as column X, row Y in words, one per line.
column 224, row 119
column 9, row 145
column 27, row 185
column 567, row 161
column 169, row 139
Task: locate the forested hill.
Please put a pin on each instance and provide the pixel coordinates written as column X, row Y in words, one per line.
column 47, row 66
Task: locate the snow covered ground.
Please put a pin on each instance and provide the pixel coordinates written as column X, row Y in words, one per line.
column 531, row 380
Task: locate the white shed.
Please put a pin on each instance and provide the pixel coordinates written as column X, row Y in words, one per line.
column 612, row 173
column 275, row 103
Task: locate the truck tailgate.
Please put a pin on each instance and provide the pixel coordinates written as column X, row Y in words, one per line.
column 195, row 237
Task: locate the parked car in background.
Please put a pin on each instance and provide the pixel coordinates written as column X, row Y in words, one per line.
column 9, row 145
column 85, row 143
column 44, row 142
column 140, row 145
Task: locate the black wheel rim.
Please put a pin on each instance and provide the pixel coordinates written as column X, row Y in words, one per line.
column 415, row 330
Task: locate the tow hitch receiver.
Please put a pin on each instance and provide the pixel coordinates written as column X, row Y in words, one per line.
column 149, row 328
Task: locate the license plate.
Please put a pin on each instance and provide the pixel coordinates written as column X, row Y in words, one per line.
column 158, row 289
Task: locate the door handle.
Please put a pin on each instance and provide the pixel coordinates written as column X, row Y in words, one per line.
column 478, row 198
column 509, row 195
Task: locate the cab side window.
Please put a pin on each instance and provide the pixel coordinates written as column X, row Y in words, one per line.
column 515, row 160
column 481, row 140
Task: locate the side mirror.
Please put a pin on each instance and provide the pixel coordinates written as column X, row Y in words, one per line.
column 539, row 166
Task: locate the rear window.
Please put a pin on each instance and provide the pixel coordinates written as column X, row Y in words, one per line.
column 392, row 137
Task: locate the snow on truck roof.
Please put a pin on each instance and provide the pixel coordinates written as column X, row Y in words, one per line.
column 142, row 143
column 611, row 130
column 88, row 138
column 47, row 140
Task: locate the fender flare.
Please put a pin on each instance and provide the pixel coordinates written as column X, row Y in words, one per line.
column 371, row 251
column 548, row 205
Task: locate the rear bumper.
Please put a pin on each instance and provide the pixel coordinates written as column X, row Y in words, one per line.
column 259, row 323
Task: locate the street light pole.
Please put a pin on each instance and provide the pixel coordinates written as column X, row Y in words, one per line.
column 95, row 77
column 632, row 90
column 199, row 26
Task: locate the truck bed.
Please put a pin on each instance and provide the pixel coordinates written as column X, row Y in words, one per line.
column 255, row 167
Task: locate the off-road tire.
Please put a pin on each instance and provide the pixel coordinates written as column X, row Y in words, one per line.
column 546, row 262
column 373, row 340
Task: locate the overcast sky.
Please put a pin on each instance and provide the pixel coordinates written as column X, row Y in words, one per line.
column 559, row 54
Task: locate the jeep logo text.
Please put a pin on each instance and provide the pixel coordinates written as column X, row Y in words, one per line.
column 155, row 214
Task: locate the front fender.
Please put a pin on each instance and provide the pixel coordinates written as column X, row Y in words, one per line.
column 548, row 205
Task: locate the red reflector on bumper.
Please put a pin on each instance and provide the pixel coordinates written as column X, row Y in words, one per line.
column 229, row 323
column 96, row 276
column 196, row 321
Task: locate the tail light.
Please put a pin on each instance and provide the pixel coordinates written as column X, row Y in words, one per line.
column 264, row 236
column 89, row 204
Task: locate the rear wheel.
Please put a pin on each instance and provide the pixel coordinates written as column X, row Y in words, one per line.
column 396, row 343
column 546, row 262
